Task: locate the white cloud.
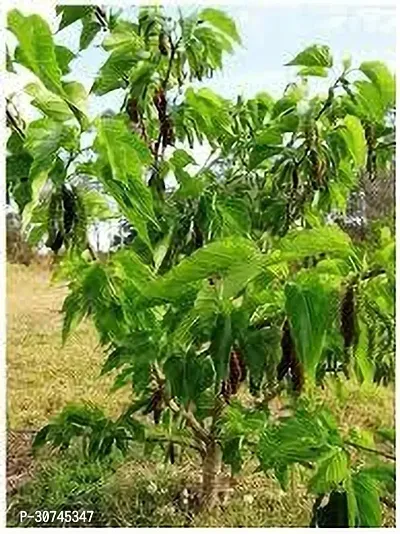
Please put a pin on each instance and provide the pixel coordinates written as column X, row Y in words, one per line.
column 375, row 20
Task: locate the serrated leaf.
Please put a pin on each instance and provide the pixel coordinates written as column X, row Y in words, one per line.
column 9, row 62
column 71, row 14
column 36, row 48
column 113, row 74
column 123, row 39
column 382, row 78
column 43, row 139
column 353, row 134
column 221, row 21
column 313, row 56
column 310, row 242
column 307, row 307
column 368, row 503
column 332, row 471
column 321, row 72
column 369, row 102
column 262, row 152
column 160, row 251
column 216, row 258
column 64, row 57
column 45, row 136
column 364, row 365
column 384, row 474
column 231, row 454
column 300, row 438
column 388, row 434
column 221, row 344
column 49, row 103
column 77, row 96
column 180, row 159
column 351, row 502
column 126, row 155
column 90, row 28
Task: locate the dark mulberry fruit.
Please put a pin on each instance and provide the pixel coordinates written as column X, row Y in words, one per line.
column 348, row 326
column 69, row 209
column 132, row 110
column 290, row 364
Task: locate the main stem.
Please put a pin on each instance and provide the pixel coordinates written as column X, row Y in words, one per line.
column 212, row 461
column 211, row 470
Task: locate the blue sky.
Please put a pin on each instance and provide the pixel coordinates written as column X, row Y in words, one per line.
column 272, row 35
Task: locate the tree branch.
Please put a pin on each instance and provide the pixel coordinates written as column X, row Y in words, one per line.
column 368, row 449
column 165, row 439
column 198, row 430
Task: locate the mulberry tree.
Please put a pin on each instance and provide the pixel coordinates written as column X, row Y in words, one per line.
column 235, row 288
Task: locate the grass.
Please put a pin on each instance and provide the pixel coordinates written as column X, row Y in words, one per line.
column 43, row 376
column 142, row 493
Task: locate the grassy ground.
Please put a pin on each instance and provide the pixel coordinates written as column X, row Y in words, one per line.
column 43, row 377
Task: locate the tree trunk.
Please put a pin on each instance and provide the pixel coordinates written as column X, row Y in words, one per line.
column 211, row 471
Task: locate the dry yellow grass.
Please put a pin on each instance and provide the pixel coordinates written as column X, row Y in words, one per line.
column 42, row 376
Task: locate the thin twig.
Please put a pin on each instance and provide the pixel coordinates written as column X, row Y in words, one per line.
column 368, row 449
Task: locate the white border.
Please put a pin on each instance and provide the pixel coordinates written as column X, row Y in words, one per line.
column 41, row 5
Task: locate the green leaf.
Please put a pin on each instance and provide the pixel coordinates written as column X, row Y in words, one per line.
column 208, row 112
column 261, row 352
column 217, row 258
column 140, row 76
column 45, row 136
column 369, row 102
column 90, row 29
column 298, row 244
column 77, row 96
column 332, row 471
column 36, row 48
column 383, row 80
column 70, row 14
column 262, row 152
column 368, row 503
column 180, row 159
column 384, row 474
column 321, row 72
column 303, row 437
column 64, row 57
column 313, row 56
column 364, row 366
column 231, row 454
column 43, row 139
column 221, row 22
column 9, row 62
column 113, row 74
column 351, row 502
column 123, row 39
column 41, row 437
column 388, row 434
column 17, row 172
column 189, row 376
column 220, row 348
column 49, row 103
column 353, row 134
column 126, row 154
column 307, row 307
